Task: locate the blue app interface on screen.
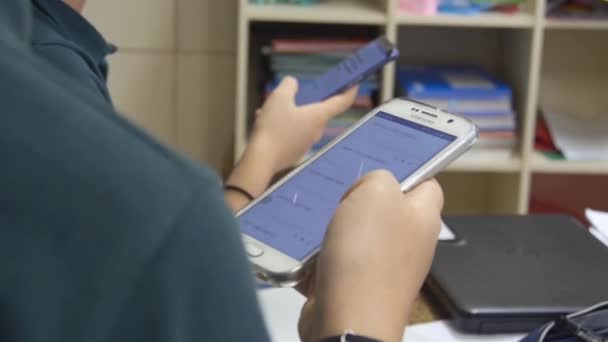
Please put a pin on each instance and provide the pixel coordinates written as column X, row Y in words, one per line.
column 294, row 217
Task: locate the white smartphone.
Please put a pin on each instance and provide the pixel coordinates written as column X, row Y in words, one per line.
column 283, row 229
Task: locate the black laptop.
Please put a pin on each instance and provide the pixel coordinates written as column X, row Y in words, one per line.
column 514, row 273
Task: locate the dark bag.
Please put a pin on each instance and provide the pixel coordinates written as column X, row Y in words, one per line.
column 588, row 325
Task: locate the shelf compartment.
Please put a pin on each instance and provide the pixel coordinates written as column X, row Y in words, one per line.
column 541, row 164
column 572, row 78
column 330, row 12
column 569, row 194
column 576, row 24
column 473, row 162
column 476, row 192
column 489, row 20
column 574, row 72
column 261, row 34
column 503, row 52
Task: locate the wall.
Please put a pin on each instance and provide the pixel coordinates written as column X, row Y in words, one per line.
column 174, row 72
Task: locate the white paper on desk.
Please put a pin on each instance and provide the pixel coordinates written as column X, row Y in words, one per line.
column 598, row 235
column 446, row 234
column 578, row 138
column 599, row 222
column 281, row 310
column 599, row 219
column 443, row 331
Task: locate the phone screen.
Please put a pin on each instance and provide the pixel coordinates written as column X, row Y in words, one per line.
column 351, row 70
column 294, row 217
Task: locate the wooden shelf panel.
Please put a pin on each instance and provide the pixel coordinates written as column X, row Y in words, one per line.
column 473, row 162
column 330, row 12
column 487, row 20
column 541, row 164
column 576, row 24
column 481, row 192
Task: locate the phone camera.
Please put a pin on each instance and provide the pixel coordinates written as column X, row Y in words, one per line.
column 450, row 121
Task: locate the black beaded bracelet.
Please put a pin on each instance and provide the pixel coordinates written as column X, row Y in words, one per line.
column 240, row 190
column 349, row 337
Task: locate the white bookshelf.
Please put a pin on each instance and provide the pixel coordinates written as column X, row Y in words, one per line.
column 496, row 20
column 336, row 12
column 541, row 164
column 557, row 62
column 573, row 24
column 485, row 162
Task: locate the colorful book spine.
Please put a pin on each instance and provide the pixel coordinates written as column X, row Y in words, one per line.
column 469, row 107
column 420, row 7
column 316, row 45
column 469, row 91
column 456, row 83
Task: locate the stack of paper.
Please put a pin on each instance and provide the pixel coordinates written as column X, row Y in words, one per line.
column 576, row 137
column 445, row 332
column 599, row 224
column 469, row 91
column 307, row 59
column 281, row 309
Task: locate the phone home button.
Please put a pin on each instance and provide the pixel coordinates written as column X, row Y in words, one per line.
column 253, row 251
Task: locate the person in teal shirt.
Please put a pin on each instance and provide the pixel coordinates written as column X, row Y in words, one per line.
column 108, row 235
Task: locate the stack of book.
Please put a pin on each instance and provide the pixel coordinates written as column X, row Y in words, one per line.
column 577, row 9
column 306, row 60
column 463, row 7
column 469, row 91
column 479, row 6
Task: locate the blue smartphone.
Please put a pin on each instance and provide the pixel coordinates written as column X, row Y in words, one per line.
column 348, row 72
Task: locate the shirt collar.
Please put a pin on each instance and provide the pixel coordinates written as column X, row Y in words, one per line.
column 15, row 21
column 73, row 26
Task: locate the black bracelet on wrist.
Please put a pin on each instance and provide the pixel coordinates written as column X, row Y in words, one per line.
column 349, row 336
column 228, row 187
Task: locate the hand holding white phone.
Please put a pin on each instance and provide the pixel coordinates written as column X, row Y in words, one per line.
column 284, row 228
column 375, row 256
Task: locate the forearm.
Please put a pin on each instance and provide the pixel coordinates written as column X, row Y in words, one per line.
column 252, row 173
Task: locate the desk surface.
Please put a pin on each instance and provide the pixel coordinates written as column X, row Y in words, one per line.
column 425, row 310
column 282, row 307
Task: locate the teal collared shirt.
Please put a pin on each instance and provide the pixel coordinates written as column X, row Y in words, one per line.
column 66, row 39
column 106, row 235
